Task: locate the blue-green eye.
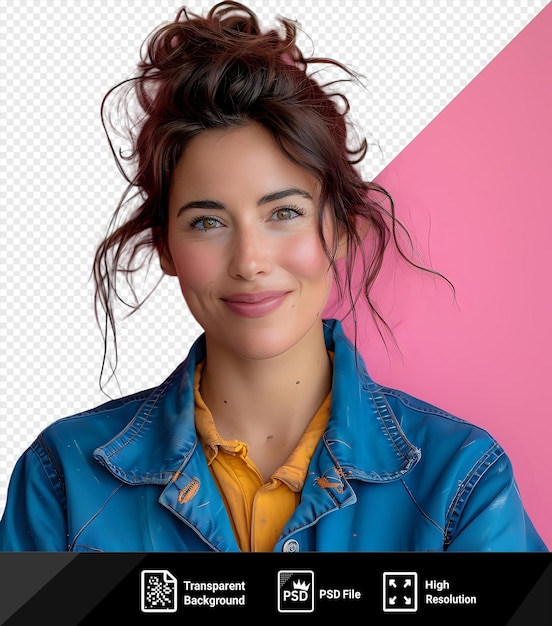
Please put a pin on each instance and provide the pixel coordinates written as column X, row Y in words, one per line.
column 205, row 223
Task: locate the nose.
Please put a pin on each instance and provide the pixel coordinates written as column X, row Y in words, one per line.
column 250, row 255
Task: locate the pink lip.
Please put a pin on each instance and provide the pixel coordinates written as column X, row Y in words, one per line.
column 255, row 304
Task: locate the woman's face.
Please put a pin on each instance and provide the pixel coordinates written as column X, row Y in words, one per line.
column 243, row 241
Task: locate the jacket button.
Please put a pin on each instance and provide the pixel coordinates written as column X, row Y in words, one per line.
column 291, row 545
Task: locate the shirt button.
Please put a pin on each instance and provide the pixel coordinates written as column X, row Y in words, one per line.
column 291, row 545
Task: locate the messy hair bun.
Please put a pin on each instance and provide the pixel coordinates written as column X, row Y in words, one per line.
column 223, row 71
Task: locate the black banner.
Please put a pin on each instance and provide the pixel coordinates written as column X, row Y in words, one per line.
column 386, row 588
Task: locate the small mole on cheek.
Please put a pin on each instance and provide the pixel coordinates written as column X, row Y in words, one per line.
column 225, row 401
column 297, row 382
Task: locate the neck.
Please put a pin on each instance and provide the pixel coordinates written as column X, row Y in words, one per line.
column 269, row 400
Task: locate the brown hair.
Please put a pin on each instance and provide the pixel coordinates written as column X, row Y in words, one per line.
column 222, row 71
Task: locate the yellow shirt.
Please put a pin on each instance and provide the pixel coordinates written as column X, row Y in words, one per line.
column 258, row 510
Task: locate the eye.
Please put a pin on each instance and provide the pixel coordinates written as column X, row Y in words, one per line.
column 205, row 223
column 286, row 213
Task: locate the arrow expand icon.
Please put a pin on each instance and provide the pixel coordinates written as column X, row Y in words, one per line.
column 400, row 591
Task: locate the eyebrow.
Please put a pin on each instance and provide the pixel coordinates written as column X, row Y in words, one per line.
column 285, row 193
column 271, row 197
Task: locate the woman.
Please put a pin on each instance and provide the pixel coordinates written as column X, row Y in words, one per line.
column 270, row 436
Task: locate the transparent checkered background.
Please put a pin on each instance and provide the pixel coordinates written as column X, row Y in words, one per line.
column 59, row 184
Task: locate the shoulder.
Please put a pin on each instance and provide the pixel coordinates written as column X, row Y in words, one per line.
column 448, row 443
column 419, row 416
column 94, row 426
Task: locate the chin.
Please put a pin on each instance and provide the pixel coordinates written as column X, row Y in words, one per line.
column 266, row 338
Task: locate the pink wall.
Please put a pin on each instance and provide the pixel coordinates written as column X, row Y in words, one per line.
column 475, row 190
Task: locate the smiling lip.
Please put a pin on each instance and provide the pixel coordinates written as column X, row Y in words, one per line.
column 255, row 304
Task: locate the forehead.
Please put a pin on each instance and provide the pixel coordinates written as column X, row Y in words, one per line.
column 243, row 161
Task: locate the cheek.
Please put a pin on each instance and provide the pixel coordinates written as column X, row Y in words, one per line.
column 305, row 257
column 196, row 268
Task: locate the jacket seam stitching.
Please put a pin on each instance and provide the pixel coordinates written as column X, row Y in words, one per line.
column 51, row 468
column 467, row 486
column 93, row 517
column 400, row 433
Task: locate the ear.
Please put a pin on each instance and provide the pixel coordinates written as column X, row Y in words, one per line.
column 165, row 260
column 341, row 251
column 362, row 226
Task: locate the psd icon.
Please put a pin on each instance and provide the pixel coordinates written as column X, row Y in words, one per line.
column 295, row 591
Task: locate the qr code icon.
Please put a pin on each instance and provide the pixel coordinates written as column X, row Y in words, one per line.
column 158, row 591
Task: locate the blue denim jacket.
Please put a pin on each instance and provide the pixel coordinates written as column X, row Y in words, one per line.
column 391, row 473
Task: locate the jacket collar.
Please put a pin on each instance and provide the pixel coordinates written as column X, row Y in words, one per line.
column 363, row 438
